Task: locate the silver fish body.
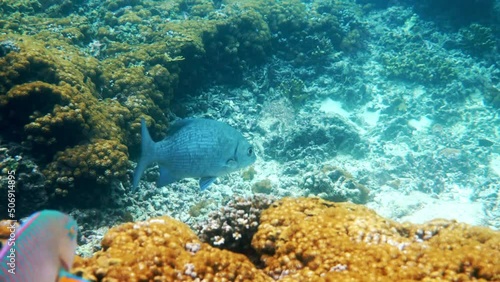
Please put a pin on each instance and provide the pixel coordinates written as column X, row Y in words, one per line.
column 195, row 148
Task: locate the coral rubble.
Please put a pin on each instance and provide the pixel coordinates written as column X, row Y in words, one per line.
column 334, row 184
column 29, row 181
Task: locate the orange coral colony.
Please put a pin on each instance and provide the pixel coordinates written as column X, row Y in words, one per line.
column 305, row 239
column 315, row 240
column 163, row 249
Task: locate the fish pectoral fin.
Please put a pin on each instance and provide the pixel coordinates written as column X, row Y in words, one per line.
column 231, row 163
column 165, row 177
column 206, row 181
column 65, row 276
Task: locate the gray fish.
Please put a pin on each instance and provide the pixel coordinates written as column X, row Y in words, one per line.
column 197, row 148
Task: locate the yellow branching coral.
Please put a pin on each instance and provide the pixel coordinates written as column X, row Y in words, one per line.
column 163, row 249
column 316, row 240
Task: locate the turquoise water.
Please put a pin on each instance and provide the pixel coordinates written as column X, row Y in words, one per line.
column 338, row 97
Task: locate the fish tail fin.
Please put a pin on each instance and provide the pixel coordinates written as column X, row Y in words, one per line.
column 147, row 154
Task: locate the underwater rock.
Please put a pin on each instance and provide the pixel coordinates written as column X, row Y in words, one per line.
column 70, row 75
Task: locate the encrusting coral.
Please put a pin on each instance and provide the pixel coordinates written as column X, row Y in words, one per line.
column 101, row 162
column 50, row 103
column 304, row 239
column 163, row 249
column 316, row 240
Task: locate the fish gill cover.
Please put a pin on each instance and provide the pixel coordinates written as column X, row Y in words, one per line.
column 392, row 105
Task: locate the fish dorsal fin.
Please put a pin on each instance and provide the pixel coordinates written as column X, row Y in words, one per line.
column 177, row 125
column 27, row 223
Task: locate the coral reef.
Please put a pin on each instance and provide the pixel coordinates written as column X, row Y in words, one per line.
column 460, row 13
column 49, row 105
column 330, row 136
column 233, row 226
column 412, row 58
column 478, row 39
column 417, row 63
column 304, row 239
column 55, row 8
column 100, row 162
column 77, row 76
column 312, row 239
column 334, row 184
column 29, row 181
column 163, row 249
column 58, row 102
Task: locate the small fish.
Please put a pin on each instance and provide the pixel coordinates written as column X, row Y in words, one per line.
column 197, row 148
column 42, row 250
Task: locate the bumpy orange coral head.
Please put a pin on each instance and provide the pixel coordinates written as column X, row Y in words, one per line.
column 196, row 147
column 42, row 249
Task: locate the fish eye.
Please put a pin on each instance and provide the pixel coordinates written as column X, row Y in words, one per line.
column 72, row 232
column 250, row 151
